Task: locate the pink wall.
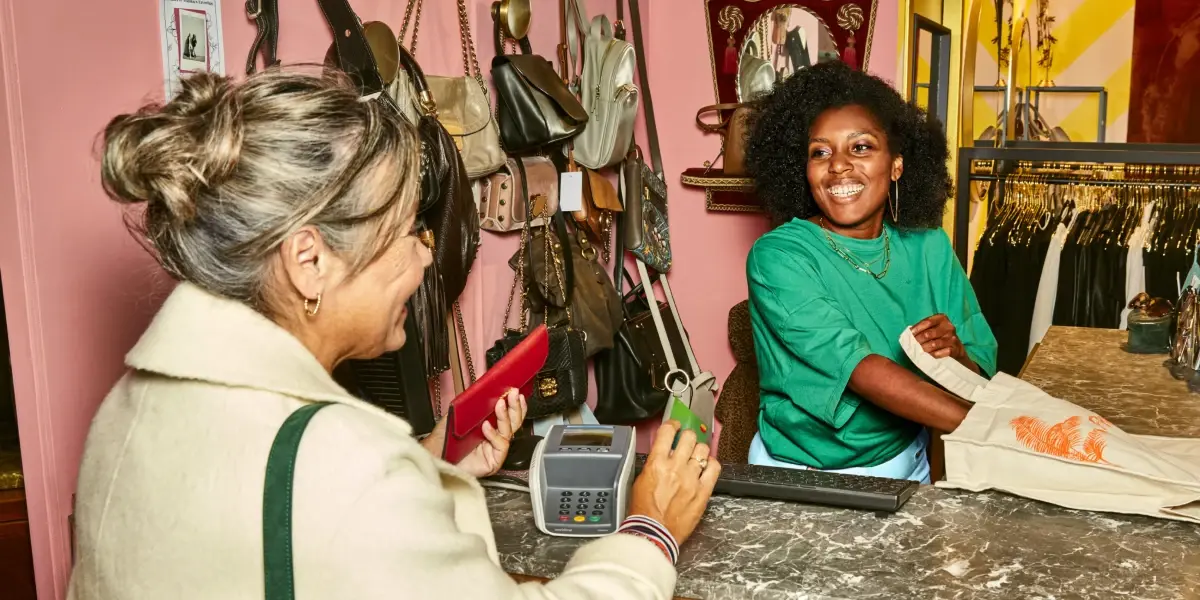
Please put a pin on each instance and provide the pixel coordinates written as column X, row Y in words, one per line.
column 79, row 291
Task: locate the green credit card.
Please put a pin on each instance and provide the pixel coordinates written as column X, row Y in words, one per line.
column 679, row 411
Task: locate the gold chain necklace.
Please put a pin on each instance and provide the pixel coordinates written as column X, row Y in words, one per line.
column 859, row 264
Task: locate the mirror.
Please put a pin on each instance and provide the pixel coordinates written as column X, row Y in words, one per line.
column 930, row 68
column 754, row 43
column 780, row 42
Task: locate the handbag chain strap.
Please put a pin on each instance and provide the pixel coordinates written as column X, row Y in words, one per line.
column 554, row 261
column 519, row 276
column 470, row 60
column 416, row 24
column 518, row 279
column 466, row 346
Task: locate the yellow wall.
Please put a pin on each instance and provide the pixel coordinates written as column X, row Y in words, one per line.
column 1094, row 48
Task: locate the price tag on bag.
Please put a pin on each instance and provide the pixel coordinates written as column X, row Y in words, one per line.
column 570, row 191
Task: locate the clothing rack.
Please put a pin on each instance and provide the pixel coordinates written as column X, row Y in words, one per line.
column 1007, row 158
column 1099, row 182
column 1060, row 251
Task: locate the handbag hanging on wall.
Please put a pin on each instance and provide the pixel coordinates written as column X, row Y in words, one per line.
column 593, row 306
column 606, row 87
column 645, row 215
column 501, row 208
column 533, row 105
column 630, row 378
column 733, row 132
column 698, row 391
column 595, row 217
column 561, row 385
column 396, row 380
column 463, row 105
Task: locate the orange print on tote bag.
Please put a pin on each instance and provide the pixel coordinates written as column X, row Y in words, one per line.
column 1021, row 440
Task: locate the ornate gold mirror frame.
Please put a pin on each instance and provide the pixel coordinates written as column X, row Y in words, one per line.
column 781, row 36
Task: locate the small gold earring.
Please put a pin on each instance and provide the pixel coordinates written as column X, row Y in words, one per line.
column 312, row 312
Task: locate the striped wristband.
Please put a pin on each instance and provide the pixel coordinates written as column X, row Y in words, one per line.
column 654, row 531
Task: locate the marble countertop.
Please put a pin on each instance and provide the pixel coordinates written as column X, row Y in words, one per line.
column 943, row 543
column 1134, row 391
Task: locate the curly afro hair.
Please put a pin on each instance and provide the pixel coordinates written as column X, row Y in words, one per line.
column 777, row 143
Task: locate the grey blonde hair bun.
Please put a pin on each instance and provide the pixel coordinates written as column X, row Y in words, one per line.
column 166, row 154
column 226, row 171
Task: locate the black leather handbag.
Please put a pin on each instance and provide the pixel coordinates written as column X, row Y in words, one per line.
column 449, row 222
column 561, row 385
column 396, row 381
column 534, row 106
column 630, row 377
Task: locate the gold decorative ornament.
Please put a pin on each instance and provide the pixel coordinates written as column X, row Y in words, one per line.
column 730, row 19
column 850, row 17
column 548, row 386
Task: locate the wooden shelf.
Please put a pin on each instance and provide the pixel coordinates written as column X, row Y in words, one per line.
column 723, row 193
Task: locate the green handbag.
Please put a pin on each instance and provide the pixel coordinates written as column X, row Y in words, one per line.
column 280, row 582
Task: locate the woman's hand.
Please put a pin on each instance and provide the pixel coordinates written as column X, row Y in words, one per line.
column 675, row 485
column 939, row 338
column 487, row 457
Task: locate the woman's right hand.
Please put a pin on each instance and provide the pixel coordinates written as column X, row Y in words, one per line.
column 675, row 485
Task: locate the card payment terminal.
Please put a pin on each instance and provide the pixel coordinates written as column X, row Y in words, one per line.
column 579, row 479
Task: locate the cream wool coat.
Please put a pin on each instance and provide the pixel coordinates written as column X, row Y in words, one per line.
column 170, row 492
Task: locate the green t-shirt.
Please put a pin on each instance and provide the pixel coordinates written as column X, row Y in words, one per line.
column 815, row 317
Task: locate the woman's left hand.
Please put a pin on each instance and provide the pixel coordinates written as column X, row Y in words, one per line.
column 939, row 338
column 487, row 457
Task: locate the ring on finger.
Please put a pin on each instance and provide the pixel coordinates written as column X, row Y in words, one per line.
column 703, row 462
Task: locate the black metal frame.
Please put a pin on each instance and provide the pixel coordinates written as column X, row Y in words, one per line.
column 939, row 67
column 1087, row 152
column 1035, row 97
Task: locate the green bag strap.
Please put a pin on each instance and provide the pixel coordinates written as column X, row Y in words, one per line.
column 277, row 504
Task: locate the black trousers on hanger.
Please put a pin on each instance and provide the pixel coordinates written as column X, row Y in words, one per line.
column 1005, row 278
column 1091, row 279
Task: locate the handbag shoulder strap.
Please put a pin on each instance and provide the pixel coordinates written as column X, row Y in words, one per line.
column 277, row 504
column 575, row 22
column 644, row 79
column 661, row 328
column 354, row 53
column 266, row 38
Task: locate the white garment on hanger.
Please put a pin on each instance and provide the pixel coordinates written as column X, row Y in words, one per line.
column 1043, row 305
column 1135, row 271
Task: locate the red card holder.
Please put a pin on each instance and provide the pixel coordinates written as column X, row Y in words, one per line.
column 477, row 404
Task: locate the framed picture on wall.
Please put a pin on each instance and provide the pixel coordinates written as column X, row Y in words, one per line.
column 192, row 40
column 191, row 34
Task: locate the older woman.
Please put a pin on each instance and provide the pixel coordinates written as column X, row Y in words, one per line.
column 284, row 206
column 858, row 178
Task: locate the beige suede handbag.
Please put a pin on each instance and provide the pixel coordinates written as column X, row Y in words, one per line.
column 1021, row 440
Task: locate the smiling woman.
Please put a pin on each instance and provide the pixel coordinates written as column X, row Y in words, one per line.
column 857, row 178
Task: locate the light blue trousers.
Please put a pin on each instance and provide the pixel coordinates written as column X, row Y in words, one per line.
column 912, row 462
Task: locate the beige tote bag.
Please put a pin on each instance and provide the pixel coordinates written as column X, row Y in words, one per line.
column 1021, row 440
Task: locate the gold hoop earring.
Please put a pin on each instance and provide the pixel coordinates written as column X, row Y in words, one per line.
column 312, row 312
column 894, row 203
